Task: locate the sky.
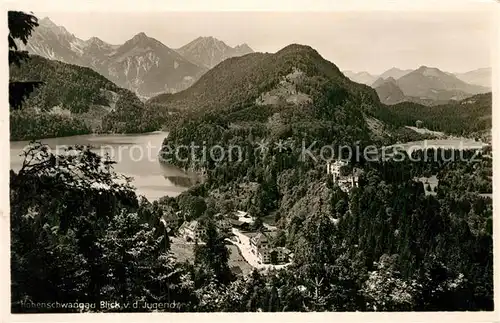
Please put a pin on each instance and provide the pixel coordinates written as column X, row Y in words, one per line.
column 358, row 40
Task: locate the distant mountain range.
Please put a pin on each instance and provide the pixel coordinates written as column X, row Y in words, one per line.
column 432, row 83
column 295, row 83
column 481, row 76
column 394, row 72
column 369, row 79
column 361, row 77
column 425, row 85
column 142, row 64
column 209, row 51
column 388, row 91
column 147, row 67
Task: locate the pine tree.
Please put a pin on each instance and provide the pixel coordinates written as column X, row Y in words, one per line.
column 140, row 268
column 274, row 300
column 385, row 290
column 212, row 256
column 21, row 26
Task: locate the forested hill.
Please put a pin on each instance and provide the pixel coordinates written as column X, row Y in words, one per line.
column 309, row 96
column 294, row 95
column 238, row 82
column 298, row 81
column 72, row 100
column 68, row 86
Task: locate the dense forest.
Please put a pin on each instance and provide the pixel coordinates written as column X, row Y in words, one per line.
column 391, row 247
column 131, row 116
column 87, row 103
column 403, row 249
column 69, row 86
column 30, row 125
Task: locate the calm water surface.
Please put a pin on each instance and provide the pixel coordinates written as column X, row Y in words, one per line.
column 136, row 156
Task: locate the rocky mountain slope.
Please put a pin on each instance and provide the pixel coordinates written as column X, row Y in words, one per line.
column 54, row 42
column 148, row 67
column 142, row 64
column 388, row 91
column 209, row 51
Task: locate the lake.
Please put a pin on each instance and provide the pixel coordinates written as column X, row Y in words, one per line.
column 136, row 156
column 454, row 143
column 451, row 143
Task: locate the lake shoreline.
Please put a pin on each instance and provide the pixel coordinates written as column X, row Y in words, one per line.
column 95, row 134
column 151, row 178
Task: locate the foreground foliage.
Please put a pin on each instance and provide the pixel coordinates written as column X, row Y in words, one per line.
column 79, row 234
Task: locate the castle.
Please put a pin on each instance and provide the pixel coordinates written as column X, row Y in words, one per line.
column 345, row 181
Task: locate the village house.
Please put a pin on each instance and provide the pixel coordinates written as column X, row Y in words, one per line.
column 237, row 224
column 260, row 246
column 239, row 219
column 346, row 182
column 334, row 168
column 282, row 254
column 192, row 230
column 224, row 225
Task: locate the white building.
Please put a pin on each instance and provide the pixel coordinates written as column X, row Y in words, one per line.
column 334, row 168
column 192, row 231
column 260, row 246
column 244, row 217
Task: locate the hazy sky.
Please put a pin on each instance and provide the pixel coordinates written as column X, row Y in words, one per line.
column 454, row 41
